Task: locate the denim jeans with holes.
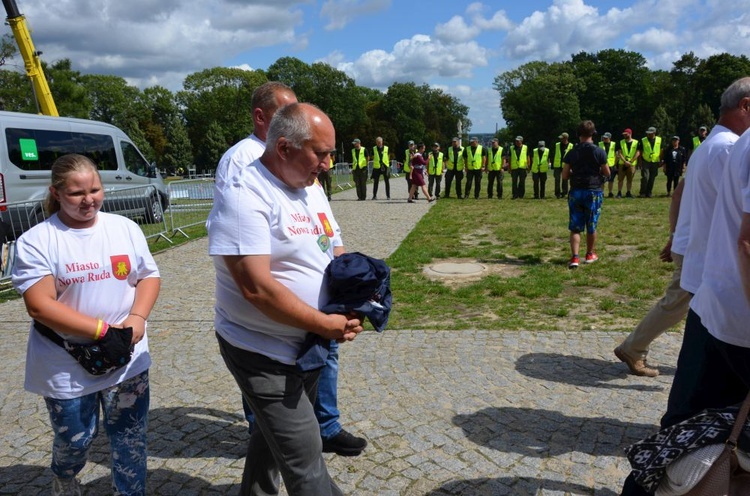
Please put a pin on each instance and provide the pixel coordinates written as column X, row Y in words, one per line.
column 75, row 424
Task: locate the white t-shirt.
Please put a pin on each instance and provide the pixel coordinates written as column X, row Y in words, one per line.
column 242, row 154
column 702, row 181
column 95, row 272
column 258, row 214
column 720, row 301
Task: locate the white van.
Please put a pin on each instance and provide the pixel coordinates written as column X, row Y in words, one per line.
column 29, row 144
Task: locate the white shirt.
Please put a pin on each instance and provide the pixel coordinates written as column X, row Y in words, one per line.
column 720, row 301
column 260, row 215
column 242, row 154
column 95, row 271
column 702, row 181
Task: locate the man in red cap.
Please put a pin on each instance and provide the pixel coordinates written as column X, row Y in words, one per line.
column 627, row 156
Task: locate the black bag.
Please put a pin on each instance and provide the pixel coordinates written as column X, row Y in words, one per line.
column 101, row 357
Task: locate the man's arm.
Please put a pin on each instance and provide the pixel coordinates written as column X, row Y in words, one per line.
column 674, row 211
column 743, row 246
column 252, row 274
column 566, row 171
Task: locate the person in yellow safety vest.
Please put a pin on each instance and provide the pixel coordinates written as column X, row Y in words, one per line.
column 381, row 166
column 475, row 158
column 561, row 148
column 518, row 158
column 324, row 177
column 539, row 168
column 411, row 150
column 697, row 140
column 611, row 150
column 628, row 151
column 651, row 160
column 359, row 169
column 496, row 163
column 454, row 168
column 435, row 171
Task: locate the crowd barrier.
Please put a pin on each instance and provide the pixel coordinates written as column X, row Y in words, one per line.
column 190, row 201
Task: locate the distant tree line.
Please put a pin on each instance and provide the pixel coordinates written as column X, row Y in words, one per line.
column 211, row 112
column 616, row 90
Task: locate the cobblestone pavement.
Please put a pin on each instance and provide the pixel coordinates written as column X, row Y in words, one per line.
column 446, row 413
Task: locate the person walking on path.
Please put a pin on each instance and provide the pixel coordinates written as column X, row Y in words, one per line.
column 88, row 278
column 381, row 167
column 271, row 237
column 586, row 168
column 359, row 169
column 418, row 165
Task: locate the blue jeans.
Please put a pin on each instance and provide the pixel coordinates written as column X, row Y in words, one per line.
column 326, row 403
column 75, row 423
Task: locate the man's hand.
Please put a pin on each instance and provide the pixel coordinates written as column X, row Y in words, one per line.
column 343, row 328
column 666, row 253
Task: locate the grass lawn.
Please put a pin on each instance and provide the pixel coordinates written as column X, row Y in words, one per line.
column 527, row 284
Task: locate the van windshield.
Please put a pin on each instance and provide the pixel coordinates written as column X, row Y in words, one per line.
column 37, row 149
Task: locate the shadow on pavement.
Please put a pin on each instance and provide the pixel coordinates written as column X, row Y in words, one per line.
column 543, row 433
column 196, row 432
column 580, row 371
column 515, row 486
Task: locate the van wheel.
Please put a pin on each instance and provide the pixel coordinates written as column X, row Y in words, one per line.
column 154, row 210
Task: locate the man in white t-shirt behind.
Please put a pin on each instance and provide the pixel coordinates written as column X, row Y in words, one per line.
column 689, row 217
column 267, row 99
column 272, row 234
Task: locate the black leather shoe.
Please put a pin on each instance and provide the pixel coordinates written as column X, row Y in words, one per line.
column 344, row 444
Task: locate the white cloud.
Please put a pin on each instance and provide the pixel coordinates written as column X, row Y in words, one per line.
column 653, row 40
column 159, row 40
column 416, row 59
column 458, row 30
column 341, row 12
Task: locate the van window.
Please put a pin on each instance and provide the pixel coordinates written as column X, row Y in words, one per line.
column 37, row 149
column 134, row 161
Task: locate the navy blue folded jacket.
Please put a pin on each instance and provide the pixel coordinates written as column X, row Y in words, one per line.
column 356, row 283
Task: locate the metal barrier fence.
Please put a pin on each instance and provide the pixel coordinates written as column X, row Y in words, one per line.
column 190, row 201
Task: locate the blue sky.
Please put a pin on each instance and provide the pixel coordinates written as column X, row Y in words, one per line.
column 459, row 47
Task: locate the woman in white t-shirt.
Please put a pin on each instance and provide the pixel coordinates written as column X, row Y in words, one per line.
column 83, row 274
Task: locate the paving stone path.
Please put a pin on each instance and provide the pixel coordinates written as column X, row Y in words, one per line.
column 446, row 413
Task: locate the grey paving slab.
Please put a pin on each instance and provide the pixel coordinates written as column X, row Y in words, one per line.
column 446, row 412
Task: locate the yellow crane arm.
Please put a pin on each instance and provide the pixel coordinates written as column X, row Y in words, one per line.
column 33, row 63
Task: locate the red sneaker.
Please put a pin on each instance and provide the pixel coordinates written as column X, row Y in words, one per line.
column 574, row 261
column 591, row 258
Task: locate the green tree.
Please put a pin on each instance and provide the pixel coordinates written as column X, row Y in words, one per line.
column 178, row 151
column 540, row 100
column 664, row 125
column 68, row 90
column 212, row 148
column 715, row 74
column 218, row 98
column 403, row 106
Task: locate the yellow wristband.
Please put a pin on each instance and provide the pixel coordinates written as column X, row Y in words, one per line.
column 99, row 325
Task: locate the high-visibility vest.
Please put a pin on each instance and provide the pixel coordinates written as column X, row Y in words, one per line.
column 360, row 163
column 474, row 158
column 540, row 164
column 651, row 154
column 455, row 162
column 495, row 162
column 628, row 152
column 434, row 169
column 696, row 142
column 376, row 157
column 557, row 162
column 519, row 161
column 611, row 156
column 407, row 160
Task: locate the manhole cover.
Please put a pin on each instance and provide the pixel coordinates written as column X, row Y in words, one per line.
column 456, row 269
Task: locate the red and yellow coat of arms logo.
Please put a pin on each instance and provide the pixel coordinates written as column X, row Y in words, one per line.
column 326, row 224
column 120, row 266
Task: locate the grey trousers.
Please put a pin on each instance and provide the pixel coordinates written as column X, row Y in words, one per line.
column 286, row 438
column 671, row 309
